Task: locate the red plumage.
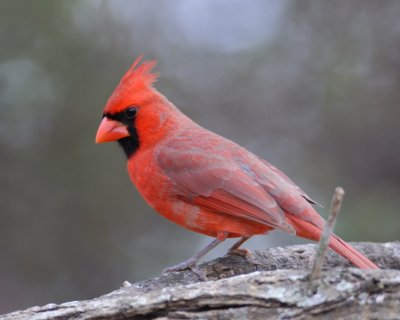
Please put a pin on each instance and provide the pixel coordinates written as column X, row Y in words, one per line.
column 200, row 180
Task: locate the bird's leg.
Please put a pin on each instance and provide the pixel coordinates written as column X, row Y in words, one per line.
column 191, row 263
column 235, row 249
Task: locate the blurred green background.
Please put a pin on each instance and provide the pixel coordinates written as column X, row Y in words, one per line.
column 311, row 86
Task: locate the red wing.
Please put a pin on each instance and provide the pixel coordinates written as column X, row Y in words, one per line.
column 216, row 183
column 289, row 181
column 286, row 193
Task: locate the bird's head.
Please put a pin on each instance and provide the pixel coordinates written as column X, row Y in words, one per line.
column 134, row 112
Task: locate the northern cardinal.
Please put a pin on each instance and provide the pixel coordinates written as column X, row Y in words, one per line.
column 200, row 180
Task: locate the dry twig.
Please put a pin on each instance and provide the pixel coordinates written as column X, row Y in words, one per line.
column 326, row 233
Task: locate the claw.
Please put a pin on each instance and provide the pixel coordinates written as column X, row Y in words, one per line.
column 187, row 265
column 200, row 273
column 180, row 267
column 191, row 263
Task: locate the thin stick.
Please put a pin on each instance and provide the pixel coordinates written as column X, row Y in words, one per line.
column 326, row 233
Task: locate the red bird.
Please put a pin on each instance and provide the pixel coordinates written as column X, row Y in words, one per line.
column 200, row 180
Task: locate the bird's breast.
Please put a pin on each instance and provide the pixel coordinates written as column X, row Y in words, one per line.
column 148, row 178
column 160, row 193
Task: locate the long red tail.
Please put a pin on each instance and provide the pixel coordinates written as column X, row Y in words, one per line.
column 307, row 230
column 347, row 251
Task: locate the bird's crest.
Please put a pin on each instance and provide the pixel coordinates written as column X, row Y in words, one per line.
column 141, row 73
column 135, row 87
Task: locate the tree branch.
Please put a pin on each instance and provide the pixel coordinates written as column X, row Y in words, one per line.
column 272, row 284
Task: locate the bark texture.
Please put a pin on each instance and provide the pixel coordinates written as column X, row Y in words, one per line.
column 272, row 284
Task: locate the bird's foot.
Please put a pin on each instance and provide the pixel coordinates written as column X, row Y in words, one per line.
column 240, row 252
column 187, row 265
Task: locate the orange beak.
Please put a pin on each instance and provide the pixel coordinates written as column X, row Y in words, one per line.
column 111, row 130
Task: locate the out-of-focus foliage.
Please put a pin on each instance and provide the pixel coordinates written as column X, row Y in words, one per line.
column 311, row 86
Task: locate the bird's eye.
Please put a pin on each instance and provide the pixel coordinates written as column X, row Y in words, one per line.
column 130, row 113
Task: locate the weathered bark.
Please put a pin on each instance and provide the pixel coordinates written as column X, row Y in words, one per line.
column 273, row 284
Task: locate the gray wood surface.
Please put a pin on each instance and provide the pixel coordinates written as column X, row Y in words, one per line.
column 272, row 284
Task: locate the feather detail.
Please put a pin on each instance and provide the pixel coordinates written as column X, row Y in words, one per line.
column 210, row 182
column 135, row 87
column 141, row 72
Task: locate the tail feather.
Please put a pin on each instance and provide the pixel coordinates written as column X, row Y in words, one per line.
column 308, row 230
column 347, row 251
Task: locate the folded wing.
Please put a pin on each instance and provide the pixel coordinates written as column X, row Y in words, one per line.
column 217, row 183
